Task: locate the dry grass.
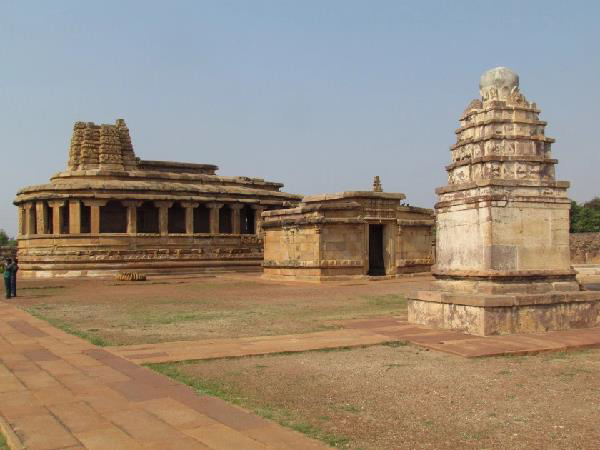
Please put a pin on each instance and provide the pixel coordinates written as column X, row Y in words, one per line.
column 401, row 397
column 188, row 308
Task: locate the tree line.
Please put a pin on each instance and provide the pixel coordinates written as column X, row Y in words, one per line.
column 585, row 217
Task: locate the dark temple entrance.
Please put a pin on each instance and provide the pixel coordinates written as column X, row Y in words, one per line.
column 376, row 264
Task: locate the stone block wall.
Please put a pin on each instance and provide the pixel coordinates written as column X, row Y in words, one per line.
column 524, row 237
column 585, row 248
column 344, row 243
column 415, row 251
column 292, row 246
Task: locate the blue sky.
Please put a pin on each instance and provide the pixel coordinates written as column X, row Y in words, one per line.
column 320, row 95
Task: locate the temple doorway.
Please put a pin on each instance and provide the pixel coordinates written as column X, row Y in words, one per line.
column 376, row 261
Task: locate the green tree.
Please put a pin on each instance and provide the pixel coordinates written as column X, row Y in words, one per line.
column 5, row 240
column 593, row 204
column 585, row 218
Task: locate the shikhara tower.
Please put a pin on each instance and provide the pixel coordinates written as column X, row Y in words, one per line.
column 502, row 237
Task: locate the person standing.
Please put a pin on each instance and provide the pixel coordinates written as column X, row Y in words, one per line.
column 7, row 276
column 13, row 278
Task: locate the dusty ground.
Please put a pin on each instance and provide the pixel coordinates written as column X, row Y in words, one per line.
column 164, row 309
column 381, row 397
column 401, row 397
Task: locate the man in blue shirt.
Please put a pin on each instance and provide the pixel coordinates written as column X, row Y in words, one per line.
column 13, row 278
column 8, row 269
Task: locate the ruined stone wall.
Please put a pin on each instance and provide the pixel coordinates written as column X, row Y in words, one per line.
column 7, row 251
column 585, row 248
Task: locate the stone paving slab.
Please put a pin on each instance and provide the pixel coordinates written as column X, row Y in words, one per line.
column 363, row 332
column 226, row 348
column 553, row 341
column 60, row 392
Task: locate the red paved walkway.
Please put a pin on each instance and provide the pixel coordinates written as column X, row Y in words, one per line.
column 60, row 392
column 363, row 332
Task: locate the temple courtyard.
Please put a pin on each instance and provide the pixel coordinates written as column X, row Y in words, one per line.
column 237, row 361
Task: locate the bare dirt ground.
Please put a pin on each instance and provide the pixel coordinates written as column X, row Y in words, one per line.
column 401, row 397
column 165, row 309
column 381, row 397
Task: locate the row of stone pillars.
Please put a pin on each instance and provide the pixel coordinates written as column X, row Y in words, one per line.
column 34, row 217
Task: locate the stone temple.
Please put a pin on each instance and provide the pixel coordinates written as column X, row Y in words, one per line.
column 111, row 211
column 502, row 236
column 347, row 235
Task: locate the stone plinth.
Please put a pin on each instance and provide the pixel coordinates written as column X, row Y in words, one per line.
column 347, row 235
column 489, row 314
column 502, row 237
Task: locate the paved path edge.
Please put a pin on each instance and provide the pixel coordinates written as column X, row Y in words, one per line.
column 12, row 440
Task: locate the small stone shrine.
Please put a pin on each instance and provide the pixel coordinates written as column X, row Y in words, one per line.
column 112, row 212
column 502, row 237
column 347, row 235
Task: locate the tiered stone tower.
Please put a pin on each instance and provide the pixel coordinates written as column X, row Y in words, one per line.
column 502, row 260
column 101, row 147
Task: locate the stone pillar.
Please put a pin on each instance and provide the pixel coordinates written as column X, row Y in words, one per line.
column 163, row 216
column 258, row 210
column 74, row 217
column 214, row 216
column 21, row 221
column 41, row 217
column 132, row 206
column 56, row 215
column 235, row 218
column 95, row 214
column 189, row 216
column 29, row 222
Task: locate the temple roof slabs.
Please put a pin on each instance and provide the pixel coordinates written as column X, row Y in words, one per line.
column 103, row 164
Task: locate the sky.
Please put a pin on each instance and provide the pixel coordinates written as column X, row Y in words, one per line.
column 321, row 95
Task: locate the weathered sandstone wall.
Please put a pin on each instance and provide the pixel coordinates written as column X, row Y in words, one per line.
column 585, row 248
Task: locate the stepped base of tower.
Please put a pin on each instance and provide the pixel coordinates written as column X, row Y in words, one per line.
column 495, row 308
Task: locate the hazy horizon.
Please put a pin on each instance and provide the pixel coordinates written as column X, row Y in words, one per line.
column 318, row 95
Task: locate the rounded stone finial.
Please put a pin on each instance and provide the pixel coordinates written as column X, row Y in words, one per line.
column 498, row 83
